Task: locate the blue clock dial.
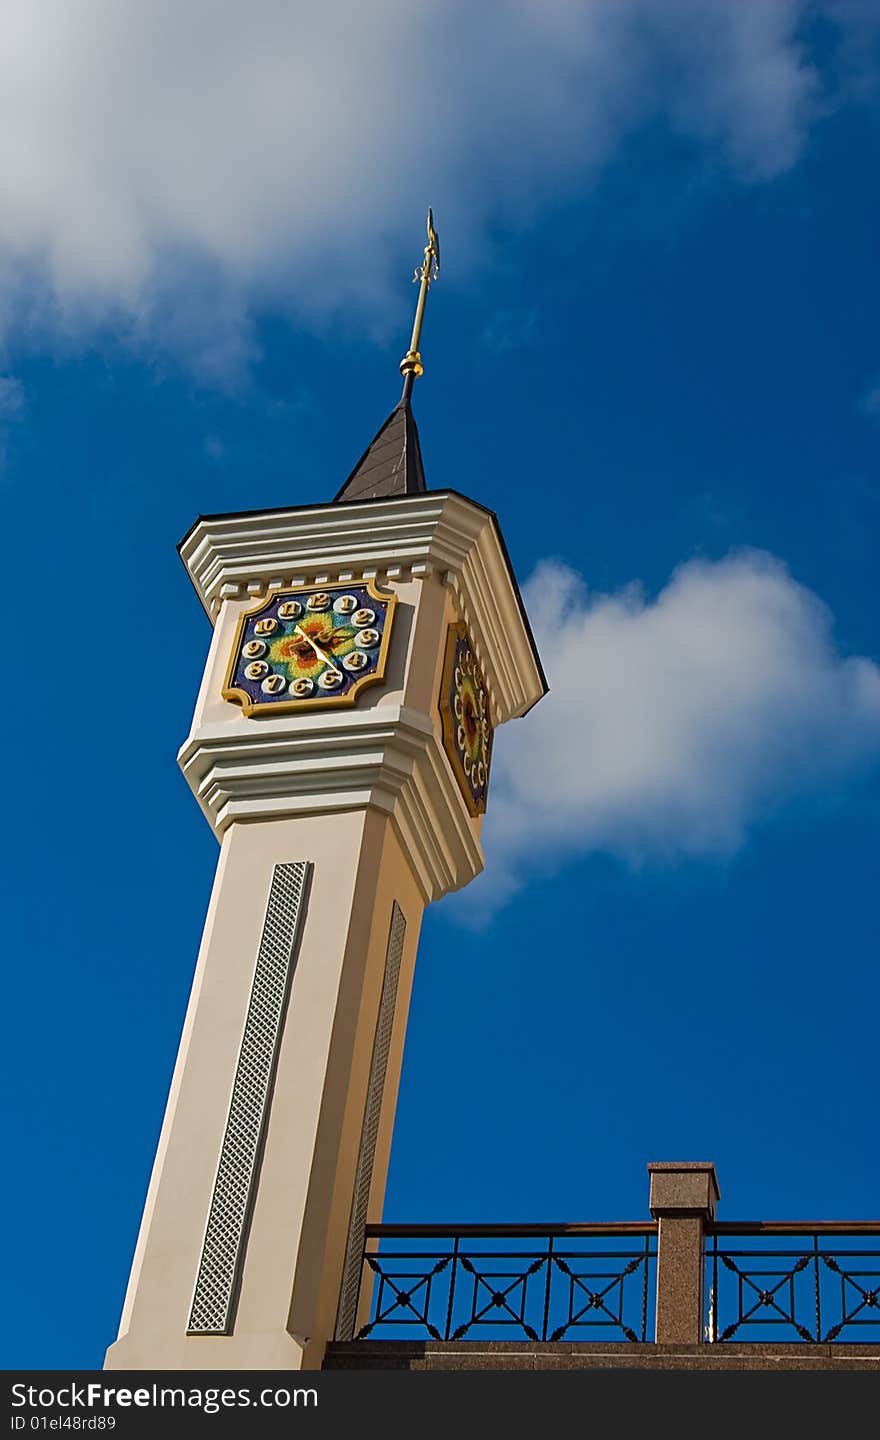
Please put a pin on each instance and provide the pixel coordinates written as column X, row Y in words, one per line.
column 310, row 648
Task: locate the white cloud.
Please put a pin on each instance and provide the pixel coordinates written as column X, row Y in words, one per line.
column 673, row 724
column 284, row 150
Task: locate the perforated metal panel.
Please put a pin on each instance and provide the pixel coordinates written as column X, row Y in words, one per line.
column 223, row 1248
column 354, row 1250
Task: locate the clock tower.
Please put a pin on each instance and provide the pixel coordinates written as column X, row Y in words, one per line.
column 363, row 654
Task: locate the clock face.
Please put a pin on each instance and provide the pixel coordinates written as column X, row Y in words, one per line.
column 310, row 649
column 464, row 711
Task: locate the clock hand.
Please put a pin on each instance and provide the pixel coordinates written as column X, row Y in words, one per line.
column 320, row 653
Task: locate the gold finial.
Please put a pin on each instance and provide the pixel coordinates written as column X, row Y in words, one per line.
column 411, row 364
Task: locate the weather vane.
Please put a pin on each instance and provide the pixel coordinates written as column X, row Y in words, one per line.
column 411, row 364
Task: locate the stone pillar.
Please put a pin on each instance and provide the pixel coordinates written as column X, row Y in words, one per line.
column 683, row 1198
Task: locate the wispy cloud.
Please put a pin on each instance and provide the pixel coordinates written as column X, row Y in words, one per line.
column 12, row 409
column 213, row 449
column 282, row 152
column 11, row 398
column 673, row 723
column 509, row 329
column 869, row 403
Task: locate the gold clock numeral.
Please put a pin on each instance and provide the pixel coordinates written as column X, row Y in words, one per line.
column 319, row 601
column 302, row 688
column 254, row 649
column 273, row 685
column 364, row 617
column 290, row 610
column 256, row 670
column 345, row 604
column 330, row 680
column 266, row 627
column 357, row 660
column 367, row 639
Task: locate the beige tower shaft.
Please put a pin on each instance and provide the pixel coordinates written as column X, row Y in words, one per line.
column 336, row 830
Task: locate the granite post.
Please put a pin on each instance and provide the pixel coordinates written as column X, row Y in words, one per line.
column 683, row 1198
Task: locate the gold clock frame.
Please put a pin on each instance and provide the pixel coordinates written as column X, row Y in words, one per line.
column 329, row 702
column 458, row 631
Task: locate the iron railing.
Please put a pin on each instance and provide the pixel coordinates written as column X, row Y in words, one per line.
column 777, row 1281
column 796, row 1281
column 519, row 1282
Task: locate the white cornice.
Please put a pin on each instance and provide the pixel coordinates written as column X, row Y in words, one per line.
column 387, row 759
column 229, row 556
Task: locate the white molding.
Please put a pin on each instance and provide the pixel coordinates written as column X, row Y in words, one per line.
column 386, row 759
column 225, row 555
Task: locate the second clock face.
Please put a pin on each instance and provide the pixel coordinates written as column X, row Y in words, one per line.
column 464, row 712
column 311, row 648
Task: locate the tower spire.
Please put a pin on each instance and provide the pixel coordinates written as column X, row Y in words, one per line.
column 392, row 462
column 411, row 364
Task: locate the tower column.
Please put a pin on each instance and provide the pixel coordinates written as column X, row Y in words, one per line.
column 249, row 1211
column 362, row 655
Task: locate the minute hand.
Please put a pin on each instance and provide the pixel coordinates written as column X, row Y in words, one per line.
column 320, row 653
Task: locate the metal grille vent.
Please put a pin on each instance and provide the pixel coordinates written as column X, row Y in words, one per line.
column 354, row 1250
column 223, row 1247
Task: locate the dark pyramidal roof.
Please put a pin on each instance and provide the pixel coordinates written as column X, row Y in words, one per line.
column 392, row 462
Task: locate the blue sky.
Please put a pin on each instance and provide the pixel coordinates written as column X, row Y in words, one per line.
column 654, row 351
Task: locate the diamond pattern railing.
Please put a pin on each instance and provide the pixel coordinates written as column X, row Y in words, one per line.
column 794, row 1282
column 534, row 1283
